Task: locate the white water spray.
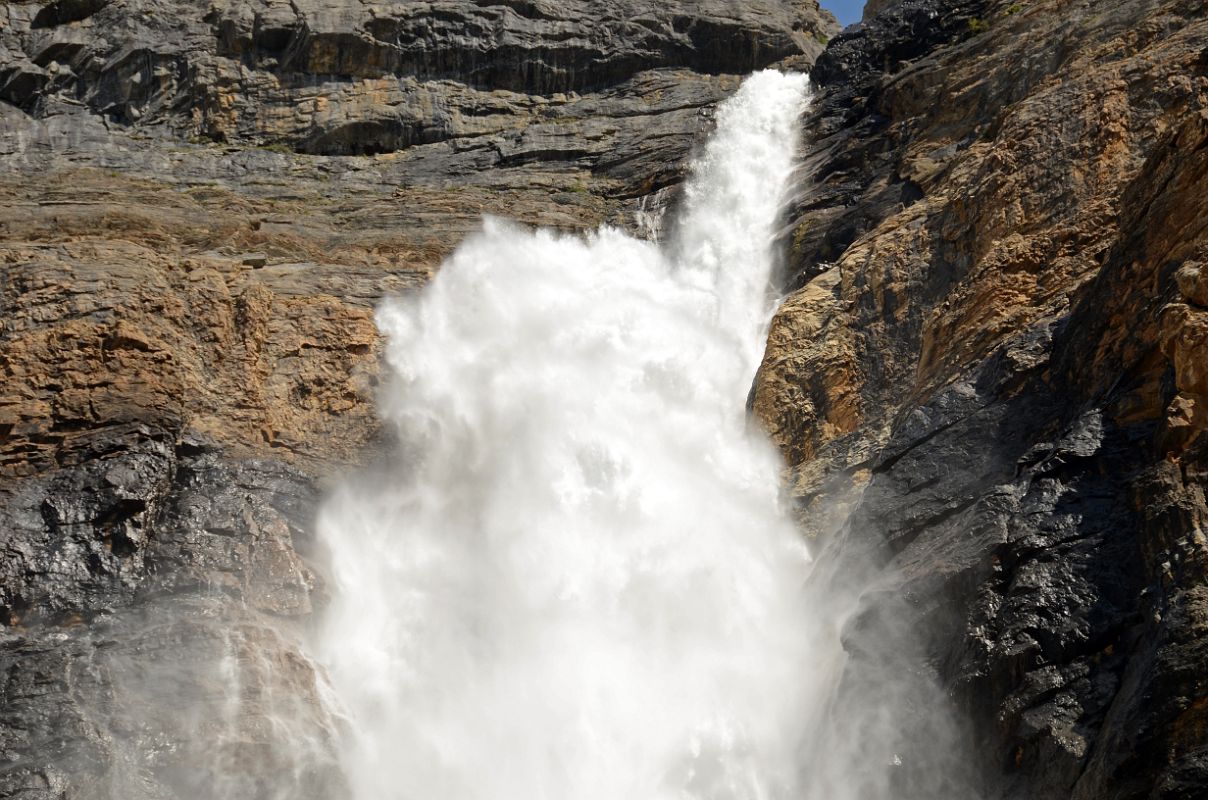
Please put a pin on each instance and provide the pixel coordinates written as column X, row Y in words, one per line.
column 580, row 587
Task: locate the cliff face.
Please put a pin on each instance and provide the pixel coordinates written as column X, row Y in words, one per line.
column 202, row 203
column 987, row 378
column 988, row 382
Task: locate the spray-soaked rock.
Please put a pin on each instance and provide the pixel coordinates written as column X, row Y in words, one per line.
column 153, row 594
column 192, row 697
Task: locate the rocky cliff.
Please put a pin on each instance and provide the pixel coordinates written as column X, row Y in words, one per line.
column 986, row 377
column 202, row 203
column 988, row 381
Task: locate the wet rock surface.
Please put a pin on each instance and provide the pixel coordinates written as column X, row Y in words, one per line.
column 986, row 382
column 155, row 596
column 181, row 698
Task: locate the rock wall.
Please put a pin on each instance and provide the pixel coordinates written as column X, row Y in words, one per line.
column 201, row 205
column 988, row 379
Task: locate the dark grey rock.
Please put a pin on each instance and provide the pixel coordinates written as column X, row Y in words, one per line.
column 155, row 597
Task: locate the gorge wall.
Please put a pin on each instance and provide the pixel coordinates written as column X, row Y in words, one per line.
column 986, row 378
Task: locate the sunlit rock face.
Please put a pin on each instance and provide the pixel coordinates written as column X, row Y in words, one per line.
column 992, row 354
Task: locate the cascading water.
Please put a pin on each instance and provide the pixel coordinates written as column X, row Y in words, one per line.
column 579, row 585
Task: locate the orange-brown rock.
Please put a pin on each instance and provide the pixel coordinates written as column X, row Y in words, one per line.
column 245, row 321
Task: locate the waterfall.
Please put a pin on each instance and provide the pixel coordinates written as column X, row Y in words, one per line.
column 575, row 582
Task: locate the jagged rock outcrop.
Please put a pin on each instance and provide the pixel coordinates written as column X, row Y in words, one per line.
column 202, row 203
column 988, row 382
